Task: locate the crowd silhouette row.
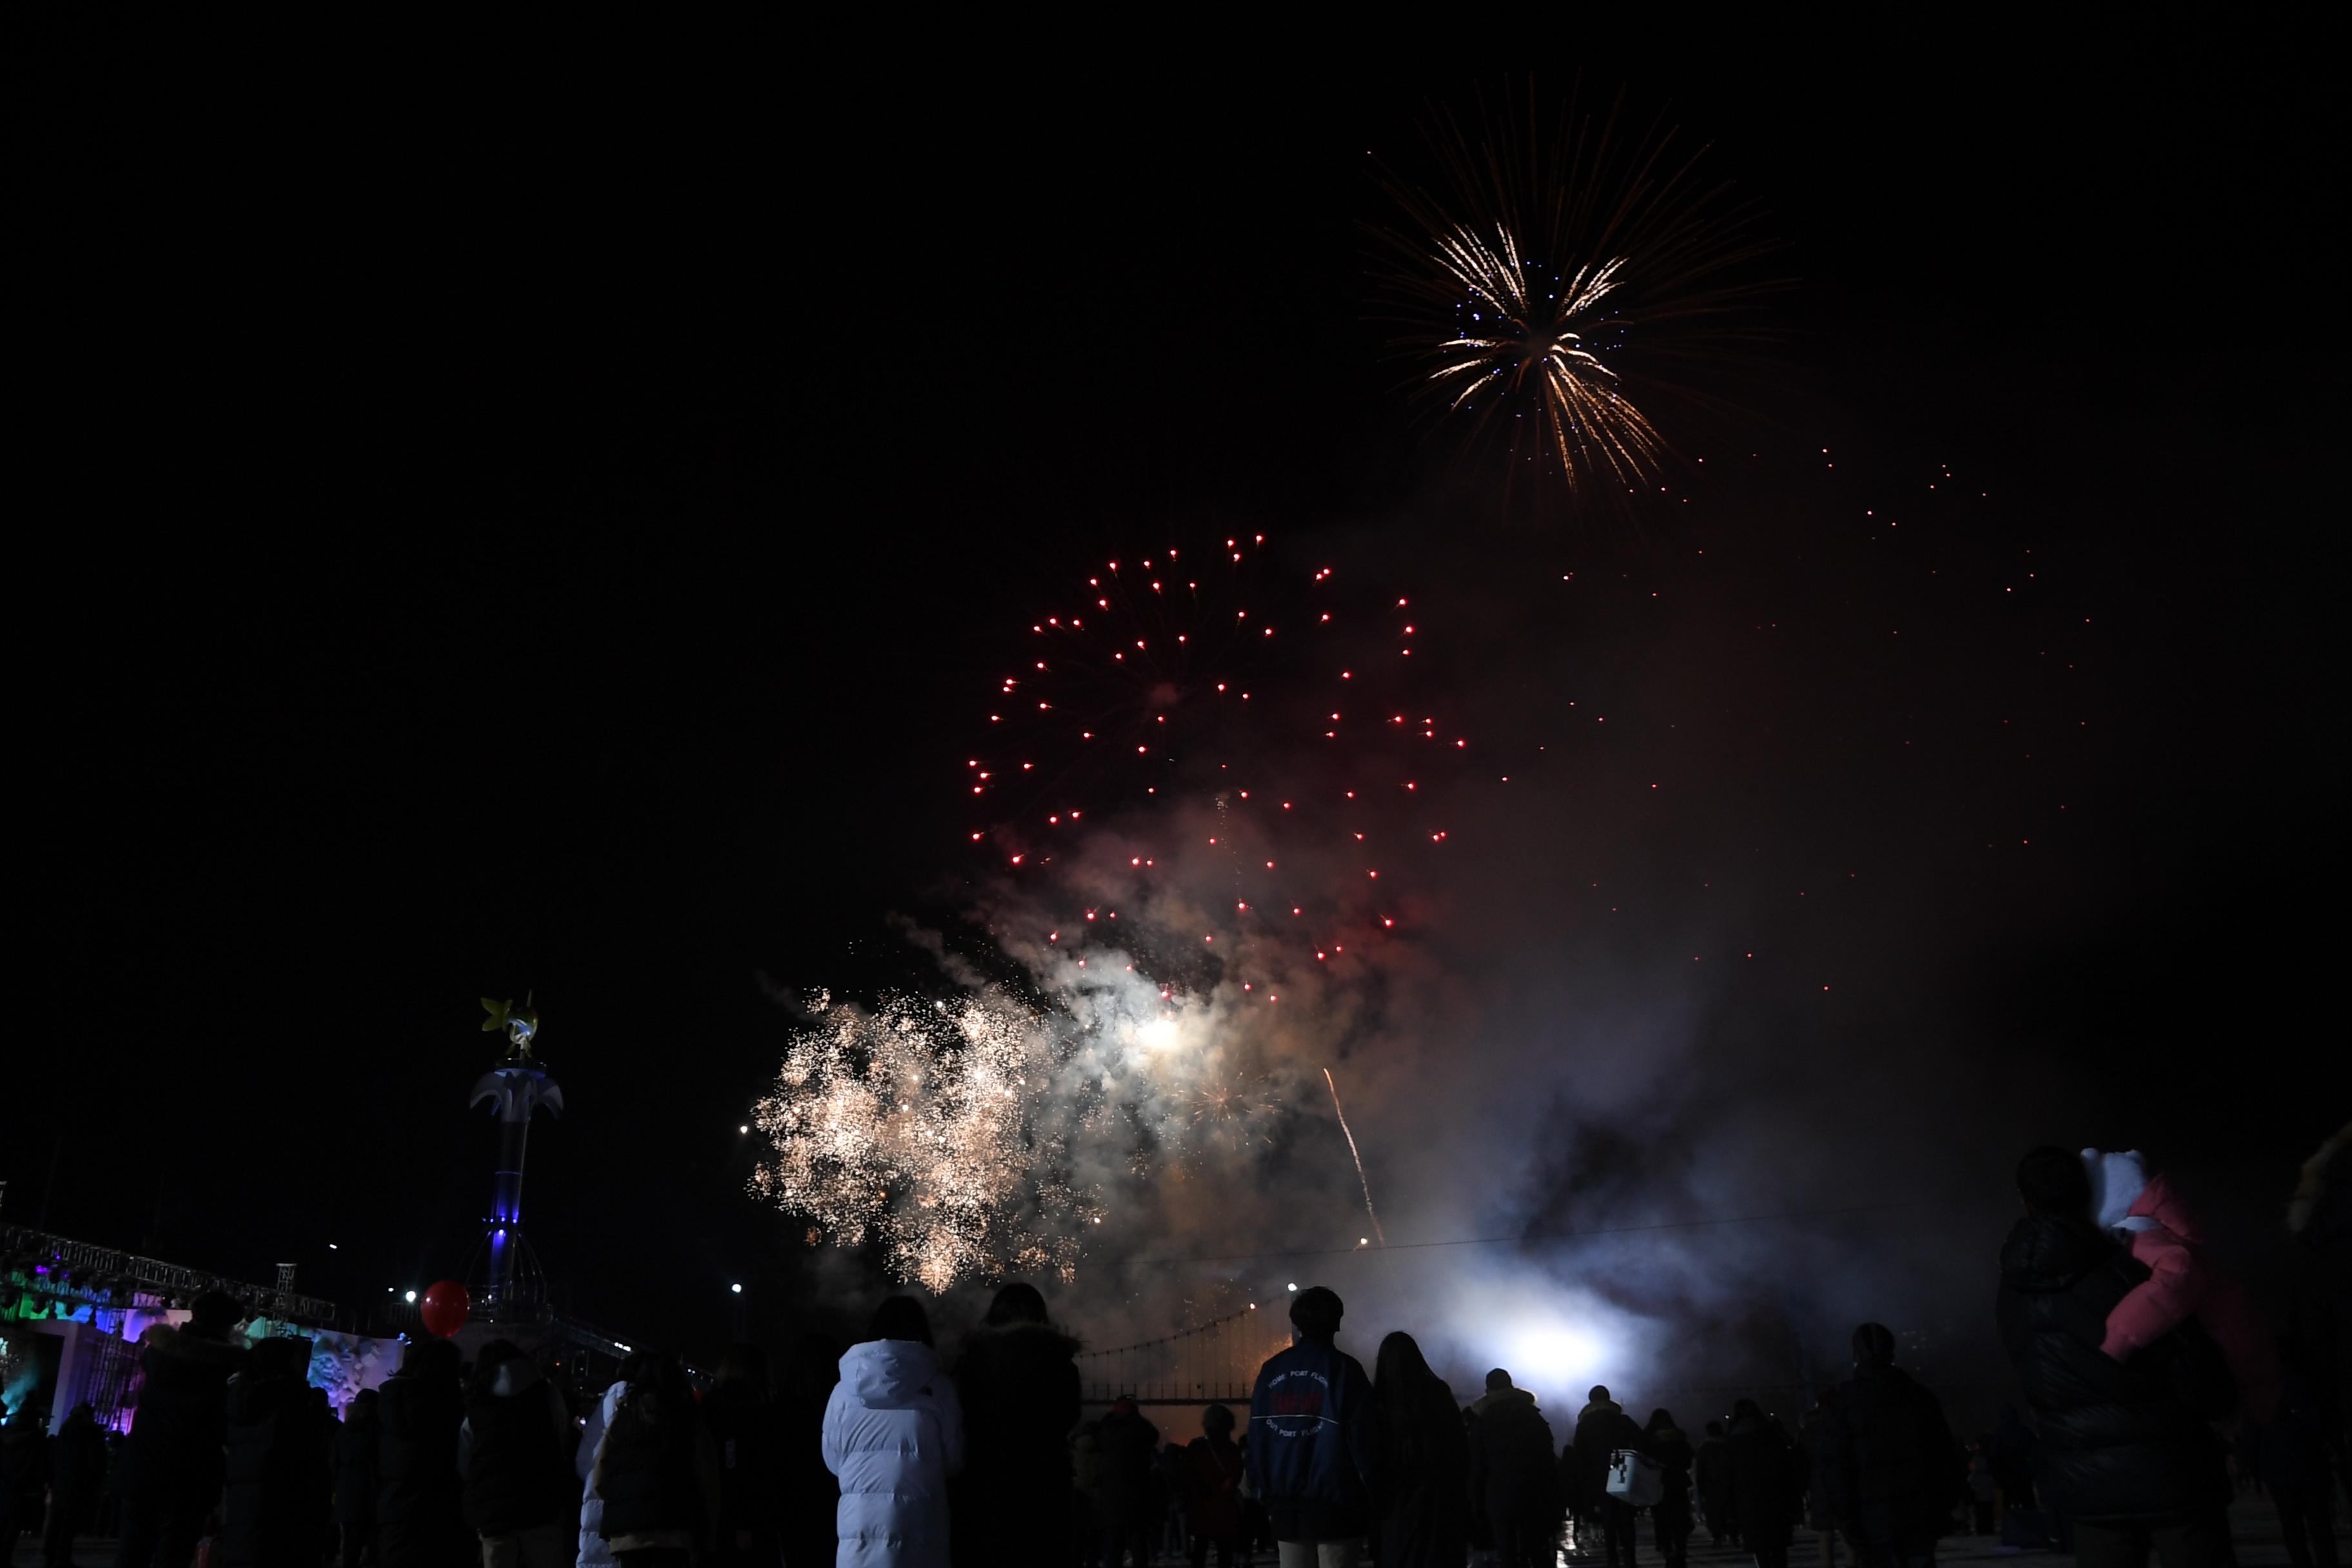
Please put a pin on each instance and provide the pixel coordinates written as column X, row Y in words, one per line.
column 2132, row 1353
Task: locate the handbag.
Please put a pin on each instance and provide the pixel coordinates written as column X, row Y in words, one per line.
column 1635, row 1478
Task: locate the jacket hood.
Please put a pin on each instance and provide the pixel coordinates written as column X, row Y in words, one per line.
column 1499, row 1396
column 1666, row 1434
column 2117, row 1182
column 514, row 1377
column 2047, row 1252
column 2157, row 1202
column 887, row 1374
column 1601, row 1407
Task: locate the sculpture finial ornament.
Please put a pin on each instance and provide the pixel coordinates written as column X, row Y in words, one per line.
column 520, row 1024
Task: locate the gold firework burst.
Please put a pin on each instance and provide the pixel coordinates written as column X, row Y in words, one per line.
column 1547, row 284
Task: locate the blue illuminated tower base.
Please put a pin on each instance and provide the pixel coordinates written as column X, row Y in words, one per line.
column 515, row 1291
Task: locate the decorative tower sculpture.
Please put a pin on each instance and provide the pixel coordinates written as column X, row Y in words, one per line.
column 515, row 1089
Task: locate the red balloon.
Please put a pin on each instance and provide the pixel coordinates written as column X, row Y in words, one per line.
column 444, row 1306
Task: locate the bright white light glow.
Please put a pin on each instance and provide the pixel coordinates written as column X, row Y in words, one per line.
column 409, row 1296
column 1555, row 1355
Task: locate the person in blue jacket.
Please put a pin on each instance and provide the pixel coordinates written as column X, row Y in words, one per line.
column 1313, row 1440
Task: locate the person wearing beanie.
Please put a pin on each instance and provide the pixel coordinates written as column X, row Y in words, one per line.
column 1314, row 1440
column 1603, row 1428
column 1514, row 1494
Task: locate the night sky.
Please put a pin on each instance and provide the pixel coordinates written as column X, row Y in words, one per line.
column 547, row 519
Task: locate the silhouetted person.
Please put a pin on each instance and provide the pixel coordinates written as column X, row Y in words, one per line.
column 1170, row 1532
column 1512, row 1483
column 658, row 1472
column 520, row 1496
column 109, row 1491
column 1984, row 1487
column 2121, row 1455
column 812, row 1497
column 2288, row 1455
column 1019, row 1387
column 1892, row 1479
column 77, row 1473
column 1711, row 1478
column 1212, row 1469
column 1127, row 1446
column 1763, row 1491
column 2320, row 1321
column 1671, row 1514
column 1085, row 1486
column 275, row 1505
column 893, row 1434
column 1817, row 1440
column 171, row 1463
column 1313, row 1439
column 1423, row 1508
column 419, row 1502
column 24, row 1470
column 356, row 1475
column 747, row 1427
column 1601, row 1429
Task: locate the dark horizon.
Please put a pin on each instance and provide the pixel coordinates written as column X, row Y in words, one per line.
column 512, row 534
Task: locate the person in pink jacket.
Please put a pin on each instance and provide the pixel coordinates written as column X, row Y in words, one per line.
column 2181, row 1282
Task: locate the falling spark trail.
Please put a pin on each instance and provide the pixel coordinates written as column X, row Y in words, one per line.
column 1355, row 1155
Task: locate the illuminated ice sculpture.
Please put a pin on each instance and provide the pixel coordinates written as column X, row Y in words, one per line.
column 515, row 1088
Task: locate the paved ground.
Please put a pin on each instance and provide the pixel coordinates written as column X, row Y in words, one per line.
column 2253, row 1525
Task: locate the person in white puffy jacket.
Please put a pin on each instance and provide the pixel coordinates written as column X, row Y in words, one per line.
column 593, row 1551
column 893, row 1435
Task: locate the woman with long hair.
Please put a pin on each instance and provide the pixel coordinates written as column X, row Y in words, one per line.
column 1019, row 1388
column 1424, row 1507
